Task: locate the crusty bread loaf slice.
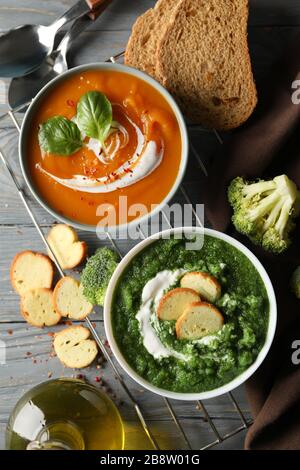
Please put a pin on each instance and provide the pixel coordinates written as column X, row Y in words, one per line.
column 204, row 284
column 74, row 348
column 198, row 320
column 69, row 251
column 31, row 270
column 69, row 300
column 146, row 32
column 204, row 60
column 37, row 307
column 172, row 304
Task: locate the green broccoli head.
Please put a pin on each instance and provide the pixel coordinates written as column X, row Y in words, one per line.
column 265, row 210
column 295, row 282
column 97, row 273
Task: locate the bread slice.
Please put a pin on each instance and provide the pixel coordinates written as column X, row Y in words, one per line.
column 146, row 32
column 31, row 270
column 204, row 284
column 69, row 300
column 74, row 348
column 69, row 251
column 172, row 304
column 198, row 320
column 204, row 60
column 37, row 307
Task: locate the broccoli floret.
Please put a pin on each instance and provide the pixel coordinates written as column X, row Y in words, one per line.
column 265, row 210
column 295, row 282
column 97, row 273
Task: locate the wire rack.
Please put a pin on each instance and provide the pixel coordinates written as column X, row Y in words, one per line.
column 218, row 436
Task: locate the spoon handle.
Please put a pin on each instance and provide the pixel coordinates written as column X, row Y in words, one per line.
column 82, row 7
column 78, row 26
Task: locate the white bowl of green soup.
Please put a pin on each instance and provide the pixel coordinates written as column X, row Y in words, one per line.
column 190, row 313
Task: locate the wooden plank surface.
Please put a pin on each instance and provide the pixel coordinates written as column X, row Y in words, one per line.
column 28, row 360
column 122, row 13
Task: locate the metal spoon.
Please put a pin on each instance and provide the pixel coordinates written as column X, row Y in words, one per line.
column 24, row 48
column 23, row 89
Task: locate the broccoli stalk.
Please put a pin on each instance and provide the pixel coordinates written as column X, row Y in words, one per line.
column 97, row 273
column 264, row 211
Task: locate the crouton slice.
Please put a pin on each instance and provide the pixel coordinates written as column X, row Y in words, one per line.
column 74, row 348
column 172, row 304
column 204, row 284
column 69, row 300
column 37, row 307
column 31, row 270
column 69, row 251
column 199, row 319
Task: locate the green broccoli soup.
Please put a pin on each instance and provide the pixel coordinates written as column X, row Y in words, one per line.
column 179, row 338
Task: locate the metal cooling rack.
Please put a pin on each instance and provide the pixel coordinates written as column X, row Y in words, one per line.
column 219, row 437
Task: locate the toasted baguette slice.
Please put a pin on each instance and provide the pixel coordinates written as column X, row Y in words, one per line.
column 146, row 32
column 31, row 270
column 204, row 284
column 199, row 319
column 204, row 60
column 74, row 348
column 68, row 250
column 172, row 304
column 37, row 307
column 69, row 300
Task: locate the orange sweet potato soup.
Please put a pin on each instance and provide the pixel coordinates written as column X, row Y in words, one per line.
column 139, row 155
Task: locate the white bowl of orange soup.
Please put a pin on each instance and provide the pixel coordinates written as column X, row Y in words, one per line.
column 143, row 159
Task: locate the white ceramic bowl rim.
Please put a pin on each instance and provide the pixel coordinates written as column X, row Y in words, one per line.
column 118, row 68
column 235, row 382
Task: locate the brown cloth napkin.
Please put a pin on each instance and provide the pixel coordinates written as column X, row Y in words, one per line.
column 266, row 147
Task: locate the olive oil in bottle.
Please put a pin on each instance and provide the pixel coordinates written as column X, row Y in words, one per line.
column 65, row 414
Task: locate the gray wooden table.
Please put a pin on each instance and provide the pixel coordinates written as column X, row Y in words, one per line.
column 28, row 350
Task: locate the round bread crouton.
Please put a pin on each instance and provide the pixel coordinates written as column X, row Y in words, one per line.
column 37, row 307
column 69, row 300
column 69, row 251
column 74, row 348
column 204, row 284
column 198, row 320
column 31, row 270
column 172, row 304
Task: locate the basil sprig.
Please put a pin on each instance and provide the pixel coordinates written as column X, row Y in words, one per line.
column 94, row 118
column 94, row 115
column 60, row 136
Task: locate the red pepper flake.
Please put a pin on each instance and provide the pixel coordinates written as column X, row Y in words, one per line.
column 50, row 334
column 98, row 379
column 28, row 353
column 67, row 322
column 111, row 178
column 50, row 375
column 34, row 361
column 80, row 377
column 106, row 343
column 94, row 324
column 71, row 103
column 10, row 332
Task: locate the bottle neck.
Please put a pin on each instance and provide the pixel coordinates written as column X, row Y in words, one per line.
column 47, row 445
column 59, row 435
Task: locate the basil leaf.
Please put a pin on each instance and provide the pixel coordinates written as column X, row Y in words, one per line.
column 60, row 136
column 94, row 115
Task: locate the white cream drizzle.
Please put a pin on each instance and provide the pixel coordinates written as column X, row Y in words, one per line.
column 145, row 159
column 151, row 295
